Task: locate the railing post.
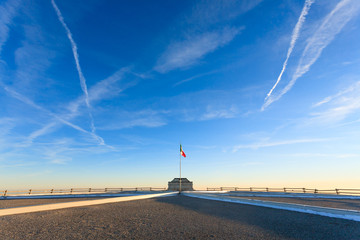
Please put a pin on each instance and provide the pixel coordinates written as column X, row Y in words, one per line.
column 121, row 189
column 267, row 189
column 29, row 191
column 236, row 189
column 5, row 192
column 71, row 191
column 284, row 189
column 304, row 190
column 337, row 191
column 316, row 191
column 250, row 189
column 105, row 189
column 89, row 189
column 150, row 189
column 221, row 188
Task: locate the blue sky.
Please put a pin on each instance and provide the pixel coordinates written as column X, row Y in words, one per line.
column 100, row 93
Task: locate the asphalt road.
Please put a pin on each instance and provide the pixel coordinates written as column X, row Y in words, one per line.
column 176, row 217
column 350, row 204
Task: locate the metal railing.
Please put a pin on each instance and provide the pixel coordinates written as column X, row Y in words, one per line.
column 77, row 191
column 336, row 191
column 71, row 191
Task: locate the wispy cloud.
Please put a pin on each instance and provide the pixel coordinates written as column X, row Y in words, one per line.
column 332, row 24
column 325, row 155
column 32, row 60
column 29, row 102
column 76, row 57
column 194, row 77
column 212, row 113
column 205, row 14
column 352, row 88
column 144, row 122
column 152, row 118
column 294, row 37
column 7, row 12
column 104, row 89
column 207, row 29
column 186, row 53
column 143, row 118
column 16, row 165
column 277, row 143
column 56, row 155
column 37, row 174
column 6, row 124
column 339, row 106
column 40, row 132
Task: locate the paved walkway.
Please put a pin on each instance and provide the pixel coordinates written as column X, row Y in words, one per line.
column 55, row 206
column 317, row 210
column 323, row 211
column 349, row 204
column 177, row 217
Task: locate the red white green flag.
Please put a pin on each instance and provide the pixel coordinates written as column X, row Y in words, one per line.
column 182, row 152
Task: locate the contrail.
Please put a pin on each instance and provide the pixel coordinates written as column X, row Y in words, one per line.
column 294, row 37
column 97, row 92
column 102, row 89
column 34, row 105
column 76, row 57
column 332, row 24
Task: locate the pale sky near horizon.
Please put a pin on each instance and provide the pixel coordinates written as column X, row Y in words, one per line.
column 100, row 93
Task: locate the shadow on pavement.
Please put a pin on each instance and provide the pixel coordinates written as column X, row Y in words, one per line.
column 285, row 224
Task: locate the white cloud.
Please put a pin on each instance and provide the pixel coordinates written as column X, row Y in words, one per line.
column 78, row 68
column 205, row 14
column 144, row 122
column 32, row 60
column 57, row 157
column 294, row 37
column 325, row 155
column 7, row 12
column 17, row 165
column 29, row 102
column 325, row 100
column 6, row 124
column 332, row 24
column 339, row 106
column 104, row 89
column 212, row 113
column 189, row 52
column 277, row 143
column 205, row 30
column 46, row 129
column 194, row 77
column 143, row 118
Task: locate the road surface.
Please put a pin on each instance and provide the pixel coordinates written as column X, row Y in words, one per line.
column 177, row 217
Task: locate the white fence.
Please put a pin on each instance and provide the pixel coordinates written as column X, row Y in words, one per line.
column 337, row 191
column 77, row 191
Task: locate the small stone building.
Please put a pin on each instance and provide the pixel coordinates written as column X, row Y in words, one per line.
column 186, row 185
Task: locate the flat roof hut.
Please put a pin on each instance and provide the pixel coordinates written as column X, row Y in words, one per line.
column 186, row 185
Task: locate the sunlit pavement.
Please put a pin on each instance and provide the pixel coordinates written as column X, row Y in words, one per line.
column 323, row 211
column 56, row 206
column 175, row 217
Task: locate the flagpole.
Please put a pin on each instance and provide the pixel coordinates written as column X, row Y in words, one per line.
column 180, row 170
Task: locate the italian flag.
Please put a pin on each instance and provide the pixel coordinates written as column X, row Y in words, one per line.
column 182, row 152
